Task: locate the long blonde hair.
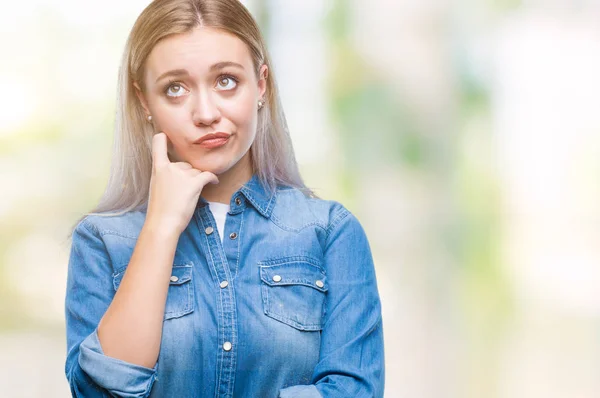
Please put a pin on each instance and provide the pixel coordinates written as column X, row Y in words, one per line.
column 272, row 154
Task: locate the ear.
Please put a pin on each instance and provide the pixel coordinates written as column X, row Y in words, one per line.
column 262, row 82
column 141, row 97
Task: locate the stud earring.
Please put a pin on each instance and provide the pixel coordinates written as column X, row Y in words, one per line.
column 260, row 104
column 149, row 118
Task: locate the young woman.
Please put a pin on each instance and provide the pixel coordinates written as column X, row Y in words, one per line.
column 208, row 268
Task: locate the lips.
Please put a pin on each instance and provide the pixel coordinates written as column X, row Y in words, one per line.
column 214, row 136
column 211, row 141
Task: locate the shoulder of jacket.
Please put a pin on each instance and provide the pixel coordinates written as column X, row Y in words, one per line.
column 294, row 210
column 126, row 225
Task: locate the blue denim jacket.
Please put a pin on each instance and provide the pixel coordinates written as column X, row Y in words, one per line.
column 286, row 306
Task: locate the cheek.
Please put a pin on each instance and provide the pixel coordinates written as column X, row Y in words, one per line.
column 170, row 120
column 242, row 113
column 168, row 117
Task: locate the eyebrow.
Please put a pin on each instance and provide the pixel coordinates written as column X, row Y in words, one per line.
column 184, row 72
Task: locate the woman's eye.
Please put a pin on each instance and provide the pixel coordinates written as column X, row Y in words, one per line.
column 227, row 82
column 175, row 90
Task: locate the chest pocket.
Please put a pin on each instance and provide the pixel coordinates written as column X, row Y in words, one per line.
column 180, row 297
column 294, row 290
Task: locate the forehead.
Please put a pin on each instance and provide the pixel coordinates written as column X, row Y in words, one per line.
column 196, row 51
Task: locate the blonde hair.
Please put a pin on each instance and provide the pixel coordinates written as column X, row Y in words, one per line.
column 272, row 154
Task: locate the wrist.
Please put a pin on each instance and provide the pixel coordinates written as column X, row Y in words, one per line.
column 161, row 229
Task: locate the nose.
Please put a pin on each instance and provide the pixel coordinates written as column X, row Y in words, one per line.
column 205, row 109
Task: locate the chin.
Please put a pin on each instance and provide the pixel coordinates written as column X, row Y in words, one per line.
column 217, row 165
column 216, row 170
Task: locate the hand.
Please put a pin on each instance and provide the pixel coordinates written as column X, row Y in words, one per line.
column 175, row 188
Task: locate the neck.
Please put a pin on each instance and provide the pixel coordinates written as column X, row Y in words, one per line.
column 229, row 181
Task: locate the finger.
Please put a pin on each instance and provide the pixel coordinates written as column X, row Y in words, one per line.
column 206, row 177
column 159, row 149
column 183, row 165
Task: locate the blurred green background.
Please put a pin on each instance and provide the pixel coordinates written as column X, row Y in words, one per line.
column 463, row 134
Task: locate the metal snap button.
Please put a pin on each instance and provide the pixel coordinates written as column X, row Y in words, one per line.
column 232, row 235
column 224, row 284
column 277, row 278
column 238, row 201
column 209, row 230
column 319, row 283
column 174, row 278
column 227, row 346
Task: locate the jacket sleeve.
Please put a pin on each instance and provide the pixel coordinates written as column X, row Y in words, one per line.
column 351, row 360
column 89, row 293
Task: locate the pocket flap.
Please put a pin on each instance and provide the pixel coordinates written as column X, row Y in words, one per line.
column 180, row 274
column 294, row 273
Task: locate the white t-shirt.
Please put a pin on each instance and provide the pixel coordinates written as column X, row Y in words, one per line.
column 219, row 211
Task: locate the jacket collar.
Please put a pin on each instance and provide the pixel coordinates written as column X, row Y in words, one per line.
column 257, row 194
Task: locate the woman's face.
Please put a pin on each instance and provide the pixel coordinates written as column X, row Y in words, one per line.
column 200, row 83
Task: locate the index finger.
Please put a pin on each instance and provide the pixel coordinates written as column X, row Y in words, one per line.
column 159, row 149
